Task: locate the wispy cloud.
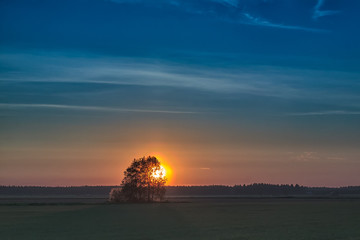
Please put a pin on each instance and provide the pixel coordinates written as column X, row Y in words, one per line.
column 139, row 72
column 312, row 156
column 233, row 3
column 89, row 108
column 307, row 156
column 319, row 113
column 321, row 13
column 262, row 22
column 234, row 12
column 266, row 81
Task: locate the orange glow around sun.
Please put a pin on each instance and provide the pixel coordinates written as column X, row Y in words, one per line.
column 167, row 171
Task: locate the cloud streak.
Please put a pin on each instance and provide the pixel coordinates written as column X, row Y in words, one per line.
column 320, row 113
column 89, row 108
column 204, row 168
column 321, row 13
column 262, row 22
column 234, row 12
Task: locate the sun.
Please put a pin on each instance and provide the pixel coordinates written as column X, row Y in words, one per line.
column 161, row 172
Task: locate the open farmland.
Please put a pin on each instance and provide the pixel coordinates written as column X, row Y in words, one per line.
column 200, row 219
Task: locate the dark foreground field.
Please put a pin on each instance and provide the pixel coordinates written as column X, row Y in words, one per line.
column 203, row 219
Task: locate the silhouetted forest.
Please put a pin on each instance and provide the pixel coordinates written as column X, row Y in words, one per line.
column 252, row 189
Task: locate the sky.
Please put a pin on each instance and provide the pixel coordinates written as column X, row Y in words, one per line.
column 221, row 91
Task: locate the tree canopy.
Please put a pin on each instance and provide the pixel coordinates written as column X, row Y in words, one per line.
column 144, row 180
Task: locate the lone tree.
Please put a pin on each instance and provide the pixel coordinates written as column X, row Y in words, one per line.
column 144, row 180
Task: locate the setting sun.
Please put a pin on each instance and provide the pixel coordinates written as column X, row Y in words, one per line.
column 165, row 167
column 159, row 172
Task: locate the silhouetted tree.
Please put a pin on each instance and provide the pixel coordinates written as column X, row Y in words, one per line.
column 144, row 180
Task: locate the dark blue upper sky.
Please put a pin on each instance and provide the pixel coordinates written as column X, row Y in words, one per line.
column 222, row 76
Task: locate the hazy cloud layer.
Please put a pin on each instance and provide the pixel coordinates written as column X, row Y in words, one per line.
column 268, row 81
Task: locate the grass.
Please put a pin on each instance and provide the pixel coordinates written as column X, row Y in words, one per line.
column 216, row 219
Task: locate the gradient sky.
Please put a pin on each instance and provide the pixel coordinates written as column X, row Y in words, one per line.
column 222, row 91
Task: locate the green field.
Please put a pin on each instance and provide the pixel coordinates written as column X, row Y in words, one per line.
column 212, row 219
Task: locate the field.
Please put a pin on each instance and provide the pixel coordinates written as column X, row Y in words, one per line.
column 199, row 219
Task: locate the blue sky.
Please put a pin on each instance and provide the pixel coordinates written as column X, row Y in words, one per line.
column 240, row 90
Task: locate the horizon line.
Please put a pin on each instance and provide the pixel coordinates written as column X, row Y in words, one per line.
column 209, row 185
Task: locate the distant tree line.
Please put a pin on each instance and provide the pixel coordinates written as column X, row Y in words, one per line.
column 252, row 189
